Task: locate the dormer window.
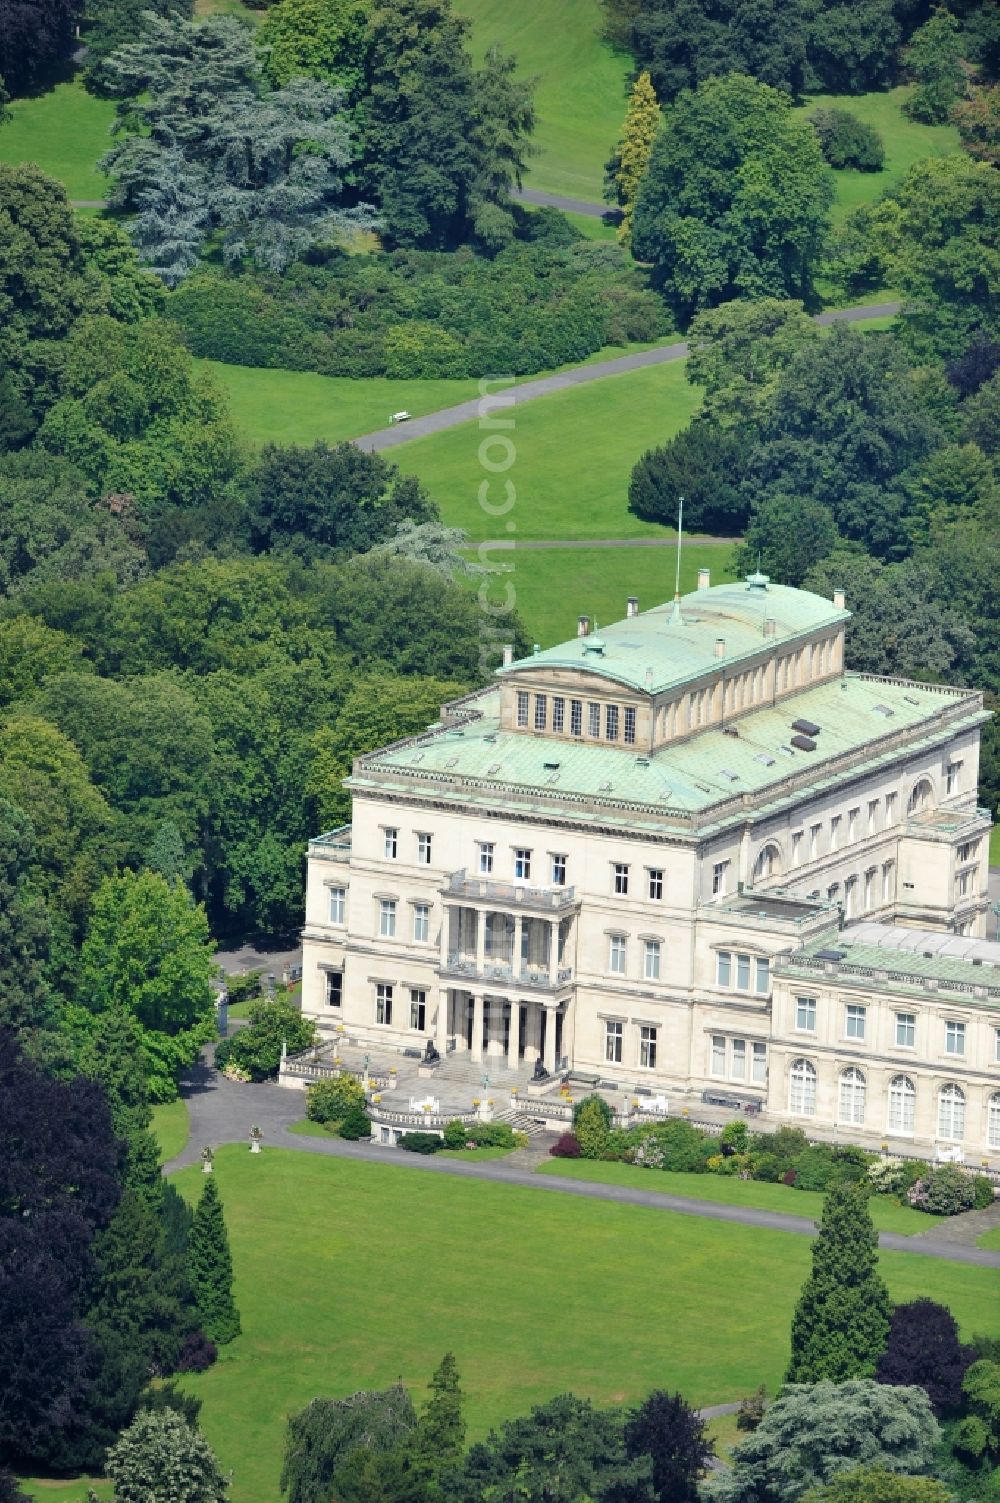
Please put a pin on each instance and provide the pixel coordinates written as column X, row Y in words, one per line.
column 522, row 709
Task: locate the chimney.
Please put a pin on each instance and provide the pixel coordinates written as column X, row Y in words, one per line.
column 720, row 647
column 583, row 626
column 770, row 626
column 703, row 578
column 508, row 654
column 632, row 605
column 838, row 600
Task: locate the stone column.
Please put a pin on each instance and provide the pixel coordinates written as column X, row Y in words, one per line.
column 443, row 1020
column 550, row 1039
column 553, row 952
column 477, row 1027
column 515, row 959
column 532, row 1026
column 513, row 1052
column 480, row 940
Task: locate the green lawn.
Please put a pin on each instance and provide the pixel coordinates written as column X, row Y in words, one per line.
column 350, row 1275
column 553, row 586
column 990, row 1240
column 995, row 846
column 64, row 130
column 580, row 96
column 573, row 454
column 887, row 1216
column 905, row 143
column 172, row 1128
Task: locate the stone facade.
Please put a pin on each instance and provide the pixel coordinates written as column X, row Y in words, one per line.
column 623, row 859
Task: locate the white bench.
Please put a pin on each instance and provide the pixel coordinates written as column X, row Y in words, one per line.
column 399, row 417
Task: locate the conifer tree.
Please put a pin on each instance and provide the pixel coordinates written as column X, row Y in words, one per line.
column 842, row 1318
column 627, row 166
column 113, row 1056
column 210, row 1268
column 441, row 1429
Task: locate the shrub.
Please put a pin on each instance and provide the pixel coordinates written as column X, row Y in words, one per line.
column 735, row 1138
column 490, row 1135
column 815, row 1168
column 765, row 1166
column 886, row 1176
column 591, row 1124
column 241, row 988
column 846, row 141
column 752, row 1409
column 683, row 1148
column 454, row 1134
column 421, row 1142
column 566, row 1147
column 197, row 1353
column 982, row 1192
column 355, row 1124
column 945, row 1191
column 331, row 1100
column 256, row 1051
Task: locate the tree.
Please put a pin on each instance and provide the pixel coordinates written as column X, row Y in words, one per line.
column 666, row 1429
column 846, row 141
column 210, row 1268
column 35, row 36
column 935, row 60
column 325, row 39
column 629, row 161
column 978, row 122
column 113, row 1055
column 814, row 1431
column 923, row 1348
column 591, row 1124
column 323, row 1436
column 160, row 1458
column 111, row 24
column 256, row 1051
column 981, row 417
column 437, row 1442
column 736, row 198
column 324, row 500
column 500, row 132
column 41, row 264
column 956, row 481
column 561, row 1452
column 739, row 353
column 873, row 1484
column 788, row 537
column 842, row 1317
column 25, row 1001
column 978, row 1435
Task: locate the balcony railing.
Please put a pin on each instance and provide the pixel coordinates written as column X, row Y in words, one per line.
column 461, row 964
column 335, row 845
column 462, row 885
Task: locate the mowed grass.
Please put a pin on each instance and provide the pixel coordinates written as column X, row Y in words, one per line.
column 171, row 1128
column 580, row 95
column 887, row 1216
column 65, row 131
column 352, row 1275
column 573, row 453
column 905, row 142
column 990, row 1240
column 551, row 587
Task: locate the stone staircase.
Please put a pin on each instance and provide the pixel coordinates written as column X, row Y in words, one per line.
column 521, row 1122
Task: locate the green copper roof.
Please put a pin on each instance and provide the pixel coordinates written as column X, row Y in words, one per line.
column 486, row 765
column 660, row 648
column 905, row 968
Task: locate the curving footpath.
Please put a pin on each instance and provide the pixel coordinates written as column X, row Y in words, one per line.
column 503, row 398
column 222, row 1111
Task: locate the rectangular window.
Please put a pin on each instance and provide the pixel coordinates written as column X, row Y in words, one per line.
column 424, row 850
column 611, row 722
column 522, row 865
column 723, row 968
column 759, row 1064
column 834, row 832
column 872, row 815
column 996, row 1045
column 854, row 1022
column 655, row 883
column 814, row 841
column 334, row 988
column 743, row 973
column 796, row 847
column 738, row 1061
column 383, row 1004
column 630, row 725
column 954, row 1038
column 620, row 879
column 576, row 717
column 558, row 871
column 968, row 850
column 963, row 884
column 391, row 843
column 418, row 1009
column 718, row 1054
column 387, row 918
column 558, row 714
column 906, row 1030
column 954, row 770
column 594, row 719
column 888, row 877
column 338, row 905
column 890, row 809
column 651, row 960
column 522, row 707
column 869, row 889
column 647, row 1048
column 486, row 850
column 719, row 878
column 850, row 896
column 613, row 1043
column 805, row 1014
column 762, row 977
column 421, row 923
column 616, row 956
column 541, row 711
column 852, row 824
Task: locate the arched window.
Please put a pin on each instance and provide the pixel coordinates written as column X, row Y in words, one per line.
column 993, row 1123
column 802, row 1089
column 951, row 1113
column 902, row 1099
column 921, row 797
column 768, row 863
column 852, row 1098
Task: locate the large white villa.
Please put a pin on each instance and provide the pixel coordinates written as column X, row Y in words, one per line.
column 689, row 852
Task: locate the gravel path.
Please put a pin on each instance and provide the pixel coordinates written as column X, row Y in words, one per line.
column 504, row 399
column 222, row 1111
column 583, row 206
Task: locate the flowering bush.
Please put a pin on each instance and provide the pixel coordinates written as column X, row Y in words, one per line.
column 946, row 1191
